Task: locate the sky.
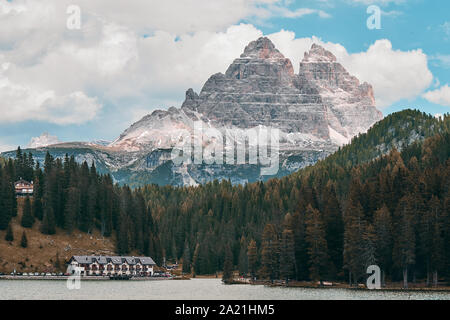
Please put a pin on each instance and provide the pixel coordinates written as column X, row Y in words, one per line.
column 83, row 70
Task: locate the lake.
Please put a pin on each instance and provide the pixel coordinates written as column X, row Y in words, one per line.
column 195, row 289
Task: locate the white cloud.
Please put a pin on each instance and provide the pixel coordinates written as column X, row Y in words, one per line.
column 64, row 76
column 43, row 140
column 439, row 96
column 442, row 60
column 145, row 16
column 21, row 102
column 394, row 74
column 58, row 75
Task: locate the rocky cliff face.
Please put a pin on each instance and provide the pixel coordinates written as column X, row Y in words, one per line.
column 350, row 106
column 316, row 110
column 323, row 105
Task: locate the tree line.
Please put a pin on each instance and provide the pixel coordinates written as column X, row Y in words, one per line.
column 326, row 222
column 71, row 196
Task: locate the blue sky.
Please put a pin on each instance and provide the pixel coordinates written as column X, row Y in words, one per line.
column 128, row 60
column 407, row 24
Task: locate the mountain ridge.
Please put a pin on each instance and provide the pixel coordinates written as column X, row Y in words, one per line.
column 316, row 111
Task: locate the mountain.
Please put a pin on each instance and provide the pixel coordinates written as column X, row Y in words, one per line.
column 314, row 112
column 323, row 104
column 397, row 131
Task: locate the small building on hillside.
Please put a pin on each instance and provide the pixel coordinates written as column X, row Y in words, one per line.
column 112, row 265
column 24, row 188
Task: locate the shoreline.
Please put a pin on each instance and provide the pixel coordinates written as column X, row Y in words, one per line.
column 390, row 287
column 86, row 278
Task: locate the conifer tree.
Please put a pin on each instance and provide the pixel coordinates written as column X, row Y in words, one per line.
column 227, row 266
column 287, row 255
column 186, row 258
column 24, row 241
column 334, row 227
column 195, row 260
column 48, row 222
column 9, row 234
column 270, row 253
column 368, row 246
column 383, row 240
column 38, row 212
column 71, row 211
column 405, row 244
column 5, row 206
column 243, row 259
column 353, row 241
column 317, row 245
column 252, row 254
column 437, row 245
column 27, row 216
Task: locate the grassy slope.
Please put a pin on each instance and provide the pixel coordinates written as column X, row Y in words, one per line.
column 42, row 250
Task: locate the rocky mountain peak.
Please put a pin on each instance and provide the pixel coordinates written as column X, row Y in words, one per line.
column 262, row 48
column 191, row 99
column 319, row 54
column 261, row 59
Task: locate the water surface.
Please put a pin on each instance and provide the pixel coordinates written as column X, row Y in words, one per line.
column 195, row 289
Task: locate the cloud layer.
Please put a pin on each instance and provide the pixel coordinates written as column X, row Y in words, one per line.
column 131, row 57
column 440, row 96
column 394, row 74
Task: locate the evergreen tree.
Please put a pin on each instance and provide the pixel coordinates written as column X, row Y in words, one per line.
column 369, row 246
column 405, row 244
column 9, row 234
column 48, row 222
column 252, row 254
column 383, row 240
column 186, row 258
column 334, row 227
column 72, row 208
column 38, row 212
column 228, row 266
column 270, row 253
column 27, row 216
column 437, row 244
column 243, row 260
column 287, row 255
column 195, row 260
column 317, row 245
column 24, row 241
column 353, row 241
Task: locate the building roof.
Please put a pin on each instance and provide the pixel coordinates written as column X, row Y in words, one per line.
column 113, row 259
column 21, row 181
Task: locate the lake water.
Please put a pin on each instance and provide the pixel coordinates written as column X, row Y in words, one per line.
column 195, row 289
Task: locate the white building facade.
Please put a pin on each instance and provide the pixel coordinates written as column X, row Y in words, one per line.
column 111, row 266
